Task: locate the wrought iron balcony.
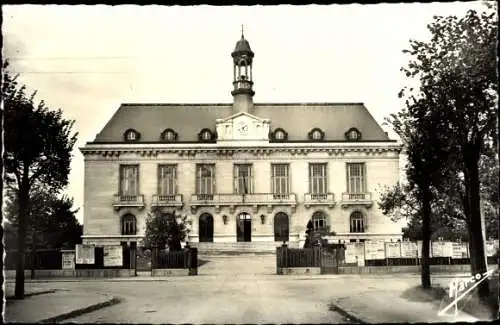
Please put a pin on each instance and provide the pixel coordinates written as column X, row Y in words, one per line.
column 356, row 199
column 251, row 199
column 128, row 201
column 319, row 199
column 173, row 200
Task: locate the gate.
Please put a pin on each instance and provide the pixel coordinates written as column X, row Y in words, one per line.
column 143, row 261
column 331, row 257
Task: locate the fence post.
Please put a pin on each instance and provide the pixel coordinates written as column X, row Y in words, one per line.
column 187, row 258
column 193, row 261
column 133, row 256
column 154, row 257
column 285, row 255
column 279, row 260
column 316, row 256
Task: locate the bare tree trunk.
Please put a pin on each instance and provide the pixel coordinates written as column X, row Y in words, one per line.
column 33, row 253
column 426, row 237
column 472, row 189
column 21, row 236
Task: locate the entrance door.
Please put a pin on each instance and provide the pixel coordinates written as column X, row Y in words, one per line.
column 281, row 229
column 244, row 227
column 206, row 228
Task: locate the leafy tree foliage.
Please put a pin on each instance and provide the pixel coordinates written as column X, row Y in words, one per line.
column 37, row 150
column 166, row 230
column 451, row 118
column 51, row 221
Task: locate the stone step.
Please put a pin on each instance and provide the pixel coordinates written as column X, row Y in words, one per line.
column 240, row 247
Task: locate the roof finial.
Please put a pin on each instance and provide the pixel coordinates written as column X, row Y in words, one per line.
column 242, row 32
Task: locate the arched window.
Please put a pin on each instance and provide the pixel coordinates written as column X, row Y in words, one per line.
column 131, row 135
column 129, row 226
column 316, row 134
column 353, row 134
column 169, row 135
column 279, row 135
column 206, row 135
column 319, row 220
column 357, row 222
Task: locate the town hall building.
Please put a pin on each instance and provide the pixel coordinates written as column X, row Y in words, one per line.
column 246, row 174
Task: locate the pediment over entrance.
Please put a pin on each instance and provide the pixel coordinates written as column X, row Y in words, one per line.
column 242, row 126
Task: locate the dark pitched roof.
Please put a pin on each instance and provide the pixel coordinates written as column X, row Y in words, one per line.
column 297, row 119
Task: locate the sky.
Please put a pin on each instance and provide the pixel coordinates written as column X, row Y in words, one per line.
column 87, row 60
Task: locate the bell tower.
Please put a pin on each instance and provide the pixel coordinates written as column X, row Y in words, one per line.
column 242, row 76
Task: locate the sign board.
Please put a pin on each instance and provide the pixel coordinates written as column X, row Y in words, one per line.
column 68, row 260
column 375, row 250
column 113, row 255
column 393, row 250
column 490, row 248
column 440, row 249
column 459, row 250
column 355, row 253
column 408, row 249
column 350, row 252
column 85, row 254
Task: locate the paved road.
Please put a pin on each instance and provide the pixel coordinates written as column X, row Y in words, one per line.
column 227, row 290
column 234, row 290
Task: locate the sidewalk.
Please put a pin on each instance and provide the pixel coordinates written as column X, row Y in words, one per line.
column 396, row 303
column 50, row 306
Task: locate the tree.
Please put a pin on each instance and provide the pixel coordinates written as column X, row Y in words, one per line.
column 456, row 104
column 37, row 150
column 51, row 221
column 163, row 229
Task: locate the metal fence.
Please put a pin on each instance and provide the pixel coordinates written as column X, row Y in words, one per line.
column 185, row 259
column 329, row 258
column 43, row 259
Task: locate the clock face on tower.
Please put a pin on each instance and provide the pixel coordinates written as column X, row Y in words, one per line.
column 242, row 128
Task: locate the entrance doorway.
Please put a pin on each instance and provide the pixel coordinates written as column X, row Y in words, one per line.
column 206, row 228
column 281, row 227
column 244, row 227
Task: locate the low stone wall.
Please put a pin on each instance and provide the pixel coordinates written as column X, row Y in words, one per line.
column 170, row 272
column 106, row 273
column 402, row 269
column 299, row 270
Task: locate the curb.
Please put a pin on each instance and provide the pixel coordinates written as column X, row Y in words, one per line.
column 78, row 312
column 13, row 298
column 349, row 316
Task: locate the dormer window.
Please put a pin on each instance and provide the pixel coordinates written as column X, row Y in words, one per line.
column 131, row 135
column 353, row 134
column 316, row 135
column 206, row 135
column 169, row 135
column 280, row 135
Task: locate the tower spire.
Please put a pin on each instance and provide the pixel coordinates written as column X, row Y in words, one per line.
column 242, row 73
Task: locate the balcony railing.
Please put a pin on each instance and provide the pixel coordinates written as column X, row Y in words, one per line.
column 357, row 199
column 171, row 200
column 319, row 199
column 128, row 201
column 250, row 199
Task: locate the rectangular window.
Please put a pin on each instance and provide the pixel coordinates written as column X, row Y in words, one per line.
column 129, row 181
column 280, row 180
column 243, row 179
column 317, row 180
column 167, row 181
column 205, row 181
column 356, row 181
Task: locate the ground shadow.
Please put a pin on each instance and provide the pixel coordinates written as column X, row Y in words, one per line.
column 470, row 303
column 202, row 262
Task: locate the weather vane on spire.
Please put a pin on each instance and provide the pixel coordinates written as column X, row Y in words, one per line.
column 242, row 31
